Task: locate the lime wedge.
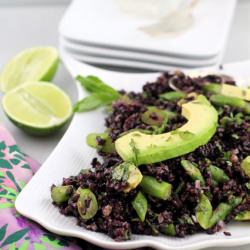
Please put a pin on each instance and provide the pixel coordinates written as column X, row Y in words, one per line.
column 34, row 64
column 39, row 108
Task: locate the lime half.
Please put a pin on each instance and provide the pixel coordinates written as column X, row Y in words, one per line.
column 38, row 108
column 34, row 64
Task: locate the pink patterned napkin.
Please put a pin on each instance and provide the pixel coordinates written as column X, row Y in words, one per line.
column 17, row 232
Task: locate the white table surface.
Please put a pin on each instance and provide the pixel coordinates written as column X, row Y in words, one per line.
column 27, row 26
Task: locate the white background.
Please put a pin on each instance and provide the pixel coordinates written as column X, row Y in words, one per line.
column 26, row 25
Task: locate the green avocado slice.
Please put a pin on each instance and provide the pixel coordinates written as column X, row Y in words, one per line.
column 141, row 148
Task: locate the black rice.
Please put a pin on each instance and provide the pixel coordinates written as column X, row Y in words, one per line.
column 228, row 147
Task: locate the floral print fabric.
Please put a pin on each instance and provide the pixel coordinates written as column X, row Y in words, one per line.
column 17, row 232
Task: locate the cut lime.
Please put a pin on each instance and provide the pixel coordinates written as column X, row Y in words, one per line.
column 34, row 64
column 39, row 108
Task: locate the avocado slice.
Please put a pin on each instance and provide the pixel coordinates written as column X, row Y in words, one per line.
column 141, row 148
column 243, row 216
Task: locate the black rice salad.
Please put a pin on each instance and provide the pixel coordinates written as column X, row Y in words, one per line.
column 198, row 191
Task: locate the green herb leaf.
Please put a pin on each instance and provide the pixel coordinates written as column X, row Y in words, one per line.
column 135, row 151
column 93, row 84
column 86, row 104
column 101, row 94
column 92, row 102
column 121, row 172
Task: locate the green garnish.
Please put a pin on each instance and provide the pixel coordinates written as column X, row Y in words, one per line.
column 135, row 151
column 100, row 94
column 129, row 173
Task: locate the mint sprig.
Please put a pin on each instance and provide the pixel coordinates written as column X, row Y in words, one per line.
column 101, row 94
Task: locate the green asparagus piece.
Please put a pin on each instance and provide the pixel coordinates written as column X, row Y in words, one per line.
column 223, row 210
column 218, row 175
column 204, row 211
column 193, row 171
column 228, row 90
column 172, row 96
column 168, row 229
column 60, row 194
column 234, row 201
column 107, row 147
column 221, row 100
column 140, row 204
column 151, row 186
column 220, row 213
column 205, row 215
column 243, row 216
column 245, row 165
column 87, row 203
column 212, row 88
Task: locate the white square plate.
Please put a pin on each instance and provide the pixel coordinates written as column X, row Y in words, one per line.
column 100, row 61
column 72, row 154
column 101, row 22
column 80, row 49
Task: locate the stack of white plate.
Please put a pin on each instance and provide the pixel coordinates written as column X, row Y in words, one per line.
column 105, row 33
